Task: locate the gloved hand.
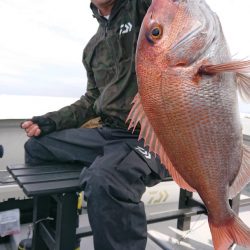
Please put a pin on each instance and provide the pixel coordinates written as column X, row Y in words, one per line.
column 38, row 126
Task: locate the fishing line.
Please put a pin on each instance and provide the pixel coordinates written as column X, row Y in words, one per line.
column 192, row 229
column 31, row 226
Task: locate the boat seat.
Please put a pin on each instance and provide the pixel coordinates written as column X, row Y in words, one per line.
column 52, row 186
column 55, row 190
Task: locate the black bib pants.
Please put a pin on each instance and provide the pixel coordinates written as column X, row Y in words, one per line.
column 118, row 169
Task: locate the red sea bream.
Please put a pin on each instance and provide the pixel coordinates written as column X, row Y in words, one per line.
column 187, row 107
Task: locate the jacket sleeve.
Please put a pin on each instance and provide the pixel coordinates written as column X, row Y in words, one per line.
column 76, row 114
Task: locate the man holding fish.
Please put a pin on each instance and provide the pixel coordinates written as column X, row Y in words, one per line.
column 188, row 110
column 119, row 167
column 186, row 106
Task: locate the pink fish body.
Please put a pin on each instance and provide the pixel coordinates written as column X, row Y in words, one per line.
column 188, row 109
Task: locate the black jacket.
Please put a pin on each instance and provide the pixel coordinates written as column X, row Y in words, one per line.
column 109, row 59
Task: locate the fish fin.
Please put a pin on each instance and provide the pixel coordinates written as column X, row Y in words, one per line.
column 137, row 115
column 233, row 66
column 243, row 84
column 234, row 231
column 243, row 177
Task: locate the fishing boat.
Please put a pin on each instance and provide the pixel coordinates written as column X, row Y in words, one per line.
column 159, row 200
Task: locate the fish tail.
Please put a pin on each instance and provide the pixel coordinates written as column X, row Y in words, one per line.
column 233, row 232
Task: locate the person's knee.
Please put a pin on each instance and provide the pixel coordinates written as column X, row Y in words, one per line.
column 29, row 148
column 35, row 152
column 30, row 144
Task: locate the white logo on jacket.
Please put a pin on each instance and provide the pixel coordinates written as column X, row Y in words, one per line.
column 144, row 152
column 126, row 28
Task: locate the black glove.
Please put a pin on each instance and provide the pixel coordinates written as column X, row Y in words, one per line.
column 45, row 124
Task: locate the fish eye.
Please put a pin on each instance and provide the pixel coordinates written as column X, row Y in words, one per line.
column 156, row 32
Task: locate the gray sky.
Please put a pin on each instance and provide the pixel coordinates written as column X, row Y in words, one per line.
column 42, row 42
column 41, row 46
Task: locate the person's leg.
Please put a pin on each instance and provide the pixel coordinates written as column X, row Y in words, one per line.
column 113, row 186
column 69, row 145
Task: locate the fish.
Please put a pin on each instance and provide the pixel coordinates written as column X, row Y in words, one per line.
column 187, row 108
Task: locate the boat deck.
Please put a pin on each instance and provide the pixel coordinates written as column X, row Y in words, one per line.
column 161, row 235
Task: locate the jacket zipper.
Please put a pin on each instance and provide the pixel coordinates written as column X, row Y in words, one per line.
column 114, row 59
column 106, row 29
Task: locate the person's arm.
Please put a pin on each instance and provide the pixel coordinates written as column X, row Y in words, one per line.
column 70, row 116
column 38, row 126
column 76, row 114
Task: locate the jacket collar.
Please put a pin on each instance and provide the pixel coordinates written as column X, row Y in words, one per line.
column 115, row 10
